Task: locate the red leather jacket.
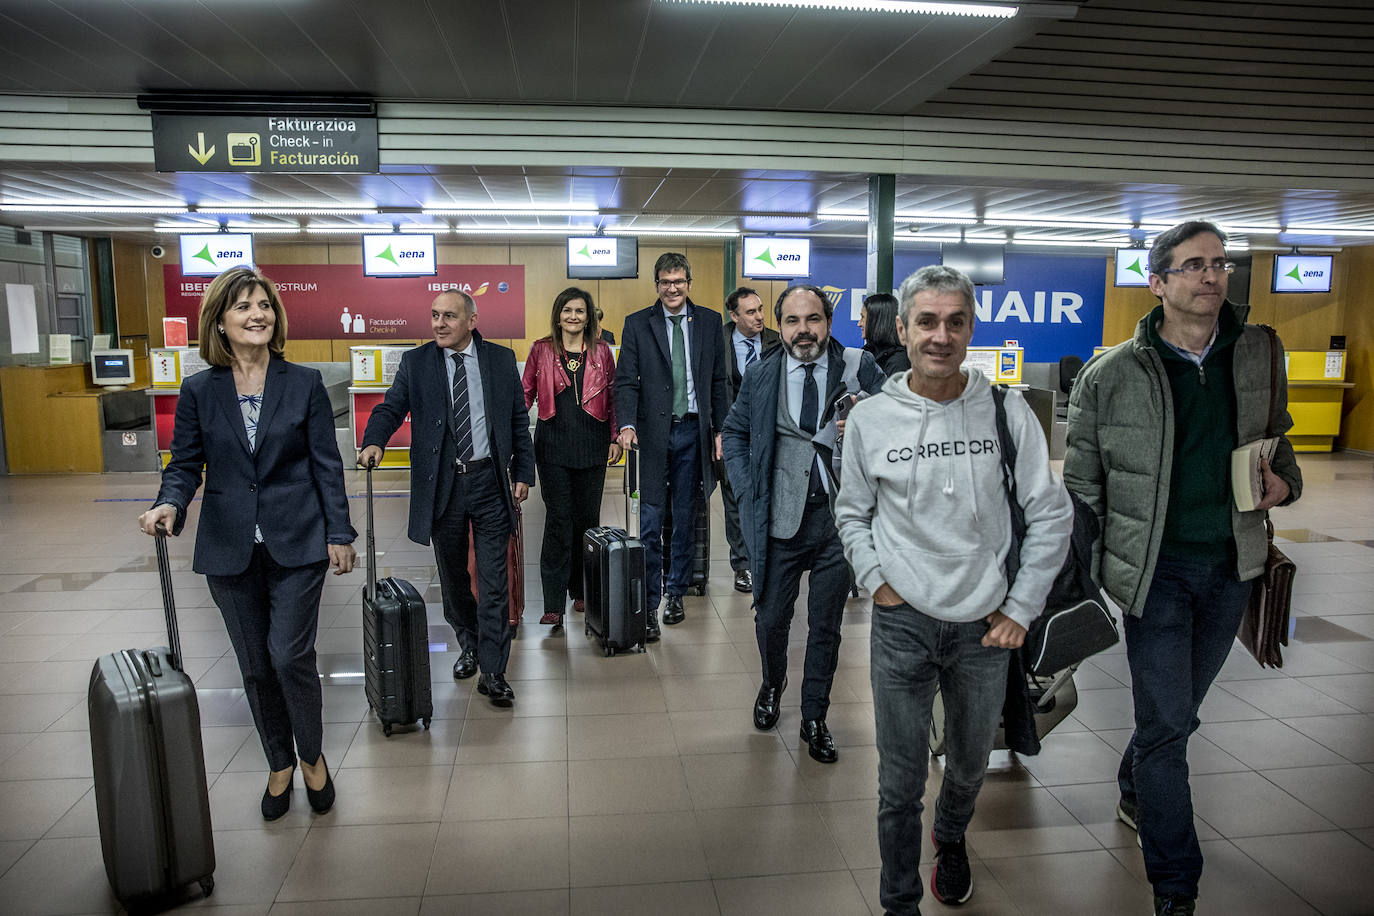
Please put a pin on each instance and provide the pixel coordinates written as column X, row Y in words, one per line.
column 545, row 377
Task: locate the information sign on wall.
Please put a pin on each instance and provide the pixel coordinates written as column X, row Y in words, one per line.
column 270, row 143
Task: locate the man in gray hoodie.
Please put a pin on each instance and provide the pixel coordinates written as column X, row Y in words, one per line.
column 923, row 516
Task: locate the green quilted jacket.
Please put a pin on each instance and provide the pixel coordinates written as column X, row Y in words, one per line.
column 1120, row 454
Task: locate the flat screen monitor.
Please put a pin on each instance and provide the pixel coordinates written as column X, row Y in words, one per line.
column 211, row 255
column 770, row 257
column 983, row 264
column 112, row 368
column 600, row 257
column 399, row 255
column 1133, row 267
column 1302, row 273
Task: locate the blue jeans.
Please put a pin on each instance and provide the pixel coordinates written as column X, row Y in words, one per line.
column 1175, row 649
column 911, row 655
column 684, row 489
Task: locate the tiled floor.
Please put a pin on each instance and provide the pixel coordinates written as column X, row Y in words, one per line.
column 638, row 784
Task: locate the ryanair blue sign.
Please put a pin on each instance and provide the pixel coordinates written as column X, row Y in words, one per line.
column 1052, row 305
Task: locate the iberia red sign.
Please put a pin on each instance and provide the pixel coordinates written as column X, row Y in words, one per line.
column 325, row 301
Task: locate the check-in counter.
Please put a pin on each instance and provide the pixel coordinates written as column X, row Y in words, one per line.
column 172, row 365
column 56, row 422
column 1316, row 388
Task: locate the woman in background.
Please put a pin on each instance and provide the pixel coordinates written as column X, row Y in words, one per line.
column 570, row 373
column 273, row 519
column 878, row 320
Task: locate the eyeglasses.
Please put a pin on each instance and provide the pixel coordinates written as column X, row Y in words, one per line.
column 1197, row 268
column 674, row 284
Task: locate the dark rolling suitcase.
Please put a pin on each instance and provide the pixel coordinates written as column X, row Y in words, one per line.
column 395, row 643
column 151, row 798
column 613, row 575
column 515, row 566
column 613, row 586
column 701, row 545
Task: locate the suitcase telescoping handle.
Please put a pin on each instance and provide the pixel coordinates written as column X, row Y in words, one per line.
column 371, row 541
column 632, row 491
column 169, row 606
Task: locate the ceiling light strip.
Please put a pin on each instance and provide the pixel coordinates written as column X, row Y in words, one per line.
column 256, row 210
column 92, row 208
column 510, row 211
column 704, row 233
column 982, row 10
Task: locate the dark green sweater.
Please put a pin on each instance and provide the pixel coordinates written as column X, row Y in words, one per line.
column 1199, row 518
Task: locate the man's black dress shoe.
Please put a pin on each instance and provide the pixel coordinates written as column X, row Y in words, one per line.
column 495, row 687
column 819, row 744
column 744, row 581
column 768, row 705
column 651, row 630
column 466, row 666
column 672, row 611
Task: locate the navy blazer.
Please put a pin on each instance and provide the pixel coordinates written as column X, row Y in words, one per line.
column 644, row 391
column 421, row 389
column 291, row 485
column 749, row 437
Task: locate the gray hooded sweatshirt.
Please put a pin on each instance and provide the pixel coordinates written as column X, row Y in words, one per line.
column 922, row 505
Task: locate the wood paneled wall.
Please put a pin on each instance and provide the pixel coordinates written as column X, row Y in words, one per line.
column 1305, row 321
column 1355, row 272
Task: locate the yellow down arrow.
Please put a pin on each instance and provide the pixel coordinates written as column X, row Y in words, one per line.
column 199, row 152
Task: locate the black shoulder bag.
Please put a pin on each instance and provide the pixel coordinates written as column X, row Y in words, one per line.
column 1075, row 622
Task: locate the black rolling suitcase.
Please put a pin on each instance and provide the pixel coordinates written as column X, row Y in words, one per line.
column 613, row 575
column 151, row 799
column 613, row 586
column 395, row 643
column 701, row 545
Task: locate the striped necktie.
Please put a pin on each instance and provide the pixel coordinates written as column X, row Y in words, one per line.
column 750, row 355
column 462, row 409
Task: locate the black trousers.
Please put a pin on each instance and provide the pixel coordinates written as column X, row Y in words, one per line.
column 272, row 613
column 572, row 499
column 482, row 624
column 816, row 546
column 734, row 534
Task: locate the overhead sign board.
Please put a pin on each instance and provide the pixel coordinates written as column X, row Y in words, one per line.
column 398, row 255
column 1301, row 273
column 213, row 254
column 1132, row 267
column 768, row 256
column 264, row 143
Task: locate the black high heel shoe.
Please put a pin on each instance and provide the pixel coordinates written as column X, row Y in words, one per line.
column 322, row 799
column 274, row 806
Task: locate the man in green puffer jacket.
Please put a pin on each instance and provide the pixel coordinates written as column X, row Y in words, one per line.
column 1152, row 423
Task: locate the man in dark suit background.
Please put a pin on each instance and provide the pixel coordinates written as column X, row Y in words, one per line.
column 471, row 459
column 786, row 500
column 670, row 398
column 746, row 342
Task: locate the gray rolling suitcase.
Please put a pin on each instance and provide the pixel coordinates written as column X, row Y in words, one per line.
column 395, row 644
column 150, row 792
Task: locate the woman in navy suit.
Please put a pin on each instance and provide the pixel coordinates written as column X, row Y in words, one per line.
column 273, row 519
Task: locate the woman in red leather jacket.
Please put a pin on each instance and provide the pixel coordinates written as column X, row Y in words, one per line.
column 570, row 374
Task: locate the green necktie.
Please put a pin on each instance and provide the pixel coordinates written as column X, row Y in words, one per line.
column 679, row 368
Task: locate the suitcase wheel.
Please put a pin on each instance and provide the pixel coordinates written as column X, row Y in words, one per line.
column 697, row 590
column 426, row 721
column 609, row 651
column 587, row 631
column 207, row 884
column 386, row 729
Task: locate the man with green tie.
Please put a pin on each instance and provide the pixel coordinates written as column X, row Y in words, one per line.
column 670, row 400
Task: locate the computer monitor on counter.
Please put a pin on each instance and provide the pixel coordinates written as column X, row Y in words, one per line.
column 113, row 369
